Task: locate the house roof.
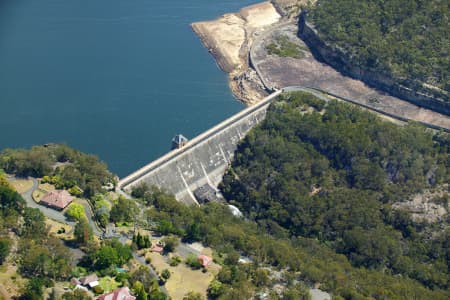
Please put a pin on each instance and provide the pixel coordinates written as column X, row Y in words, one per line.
column 204, row 260
column 88, row 279
column 118, row 294
column 157, row 249
column 57, row 198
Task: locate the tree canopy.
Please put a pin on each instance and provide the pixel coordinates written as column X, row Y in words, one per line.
column 407, row 40
column 333, row 175
column 62, row 166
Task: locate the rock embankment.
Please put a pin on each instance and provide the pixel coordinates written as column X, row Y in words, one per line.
column 229, row 38
column 415, row 92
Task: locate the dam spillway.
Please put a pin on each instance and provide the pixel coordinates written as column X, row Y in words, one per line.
column 203, row 160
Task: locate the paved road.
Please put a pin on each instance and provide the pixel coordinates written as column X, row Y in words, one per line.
column 90, row 216
column 185, row 249
column 57, row 215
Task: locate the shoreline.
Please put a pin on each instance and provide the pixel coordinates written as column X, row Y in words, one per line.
column 229, row 38
column 239, row 44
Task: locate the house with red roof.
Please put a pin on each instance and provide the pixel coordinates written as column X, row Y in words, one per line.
column 57, row 199
column 118, row 294
column 157, row 249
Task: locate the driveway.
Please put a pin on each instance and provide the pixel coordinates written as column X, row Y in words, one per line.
column 48, row 212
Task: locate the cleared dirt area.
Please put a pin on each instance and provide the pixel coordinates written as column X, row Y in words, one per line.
column 309, row 72
column 11, row 282
column 227, row 37
column 47, row 187
column 21, row 185
column 54, row 227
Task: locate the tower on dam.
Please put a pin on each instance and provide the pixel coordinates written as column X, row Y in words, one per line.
column 179, row 141
column 194, row 169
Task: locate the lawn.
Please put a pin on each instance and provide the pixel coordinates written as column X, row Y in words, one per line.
column 38, row 194
column 108, row 284
column 22, row 185
column 183, row 279
column 55, row 226
column 46, row 187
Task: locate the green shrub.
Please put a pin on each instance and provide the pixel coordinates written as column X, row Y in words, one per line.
column 193, row 262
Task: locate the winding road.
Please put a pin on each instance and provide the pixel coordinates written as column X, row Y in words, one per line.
column 58, row 215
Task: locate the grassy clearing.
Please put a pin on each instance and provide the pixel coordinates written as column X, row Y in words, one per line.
column 38, row 194
column 56, row 226
column 283, row 47
column 46, row 187
column 183, row 279
column 10, row 281
column 21, row 185
column 43, row 188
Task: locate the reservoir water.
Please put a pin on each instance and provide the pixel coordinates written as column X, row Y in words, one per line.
column 117, row 78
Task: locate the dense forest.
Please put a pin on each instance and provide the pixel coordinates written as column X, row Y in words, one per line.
column 66, row 168
column 334, row 174
column 276, row 257
column 408, row 40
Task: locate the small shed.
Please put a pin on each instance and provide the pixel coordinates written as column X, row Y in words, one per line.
column 157, row 249
column 204, row 260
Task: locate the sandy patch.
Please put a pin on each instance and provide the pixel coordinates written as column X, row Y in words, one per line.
column 10, row 281
column 260, row 15
column 227, row 37
column 47, row 187
column 38, row 194
column 21, row 185
column 224, row 39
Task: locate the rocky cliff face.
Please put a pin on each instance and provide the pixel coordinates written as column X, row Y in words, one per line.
column 417, row 93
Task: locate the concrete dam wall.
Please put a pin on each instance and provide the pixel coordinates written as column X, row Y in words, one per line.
column 203, row 160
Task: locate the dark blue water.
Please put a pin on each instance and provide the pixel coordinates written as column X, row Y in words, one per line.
column 117, row 78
